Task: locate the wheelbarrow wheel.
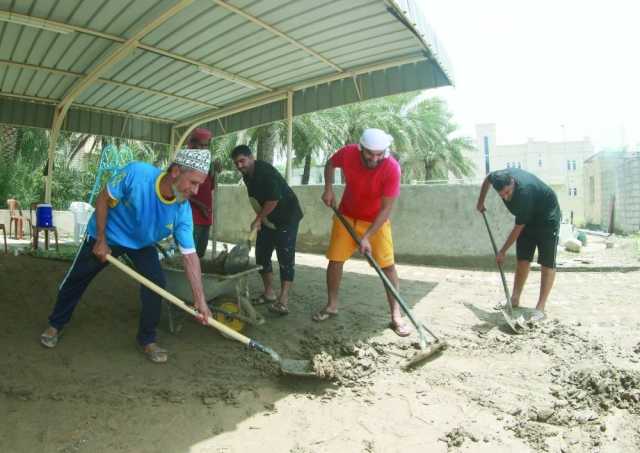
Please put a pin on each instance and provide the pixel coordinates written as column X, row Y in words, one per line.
column 229, row 306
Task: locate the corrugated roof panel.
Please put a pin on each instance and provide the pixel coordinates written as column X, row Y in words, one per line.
column 20, row 113
column 88, row 95
column 196, row 25
column 61, row 88
column 182, row 110
column 74, row 12
column 164, row 108
column 255, row 63
column 8, row 77
column 349, row 33
column 106, row 96
column 10, row 36
column 373, row 46
column 35, row 82
column 50, row 86
column 94, row 52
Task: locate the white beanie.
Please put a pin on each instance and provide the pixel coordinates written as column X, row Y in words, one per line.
column 195, row 159
column 376, row 140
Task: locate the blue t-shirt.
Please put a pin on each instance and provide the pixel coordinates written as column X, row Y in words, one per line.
column 139, row 216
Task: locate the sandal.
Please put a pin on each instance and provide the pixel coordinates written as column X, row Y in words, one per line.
column 323, row 315
column 537, row 316
column 401, row 330
column 262, row 300
column 49, row 341
column 279, row 308
column 155, row 353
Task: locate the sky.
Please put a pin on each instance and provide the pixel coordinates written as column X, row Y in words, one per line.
column 544, row 69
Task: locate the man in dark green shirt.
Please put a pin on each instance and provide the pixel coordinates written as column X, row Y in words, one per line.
column 278, row 211
column 535, row 207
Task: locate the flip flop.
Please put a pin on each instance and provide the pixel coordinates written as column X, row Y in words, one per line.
column 537, row 316
column 156, row 354
column 262, row 300
column 279, row 308
column 323, row 315
column 401, row 330
column 49, row 341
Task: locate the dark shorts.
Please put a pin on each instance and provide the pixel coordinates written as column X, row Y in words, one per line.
column 283, row 240
column 546, row 241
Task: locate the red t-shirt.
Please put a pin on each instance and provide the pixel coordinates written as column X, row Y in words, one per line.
column 365, row 187
column 205, row 197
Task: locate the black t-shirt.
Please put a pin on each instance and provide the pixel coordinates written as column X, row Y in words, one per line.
column 534, row 203
column 267, row 184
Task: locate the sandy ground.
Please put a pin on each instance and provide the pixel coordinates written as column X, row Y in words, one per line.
column 570, row 385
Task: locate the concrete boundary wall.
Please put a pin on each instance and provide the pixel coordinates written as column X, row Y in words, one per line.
column 436, row 225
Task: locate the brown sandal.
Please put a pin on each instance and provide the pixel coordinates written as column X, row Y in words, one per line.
column 279, row 308
column 323, row 315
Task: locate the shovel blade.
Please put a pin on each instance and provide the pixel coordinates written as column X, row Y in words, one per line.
column 303, row 368
column 424, row 354
column 515, row 325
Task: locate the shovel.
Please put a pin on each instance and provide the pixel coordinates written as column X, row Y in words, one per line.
column 516, row 325
column 426, row 349
column 238, row 258
column 287, row 366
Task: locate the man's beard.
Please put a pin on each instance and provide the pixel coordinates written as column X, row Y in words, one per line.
column 176, row 193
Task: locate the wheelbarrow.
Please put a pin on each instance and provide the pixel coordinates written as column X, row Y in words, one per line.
column 227, row 296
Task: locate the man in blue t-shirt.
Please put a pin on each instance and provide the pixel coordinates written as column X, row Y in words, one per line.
column 139, row 206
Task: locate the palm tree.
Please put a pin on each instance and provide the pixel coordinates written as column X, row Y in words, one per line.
column 435, row 150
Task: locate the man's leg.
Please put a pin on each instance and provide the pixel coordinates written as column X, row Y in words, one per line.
column 525, row 248
column 546, row 283
column 522, row 272
column 394, row 307
column 147, row 264
column 264, row 249
column 83, row 269
column 334, row 276
column 286, row 252
column 547, row 250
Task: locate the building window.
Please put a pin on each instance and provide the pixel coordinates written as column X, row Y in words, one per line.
column 573, row 165
column 539, row 162
column 519, row 166
column 568, row 165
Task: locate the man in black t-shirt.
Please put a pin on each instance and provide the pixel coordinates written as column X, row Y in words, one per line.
column 278, row 214
column 535, row 207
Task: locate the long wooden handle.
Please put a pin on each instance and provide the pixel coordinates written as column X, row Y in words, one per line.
column 505, row 286
column 177, row 302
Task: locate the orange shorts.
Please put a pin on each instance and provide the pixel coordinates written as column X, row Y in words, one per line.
column 342, row 246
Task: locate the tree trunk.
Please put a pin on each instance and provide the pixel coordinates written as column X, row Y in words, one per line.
column 9, row 137
column 307, row 169
column 429, row 167
column 265, row 144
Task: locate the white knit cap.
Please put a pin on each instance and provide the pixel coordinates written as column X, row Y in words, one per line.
column 376, row 140
column 195, row 159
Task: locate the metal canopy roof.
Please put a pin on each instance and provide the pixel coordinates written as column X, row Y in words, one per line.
column 153, row 70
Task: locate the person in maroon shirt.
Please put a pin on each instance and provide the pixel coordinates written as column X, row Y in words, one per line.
column 202, row 202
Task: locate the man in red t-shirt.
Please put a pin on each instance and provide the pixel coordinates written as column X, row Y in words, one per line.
column 202, row 202
column 372, row 184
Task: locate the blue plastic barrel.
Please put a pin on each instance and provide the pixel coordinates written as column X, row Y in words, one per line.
column 44, row 215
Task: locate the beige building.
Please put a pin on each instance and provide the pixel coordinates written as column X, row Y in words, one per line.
column 612, row 180
column 559, row 164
